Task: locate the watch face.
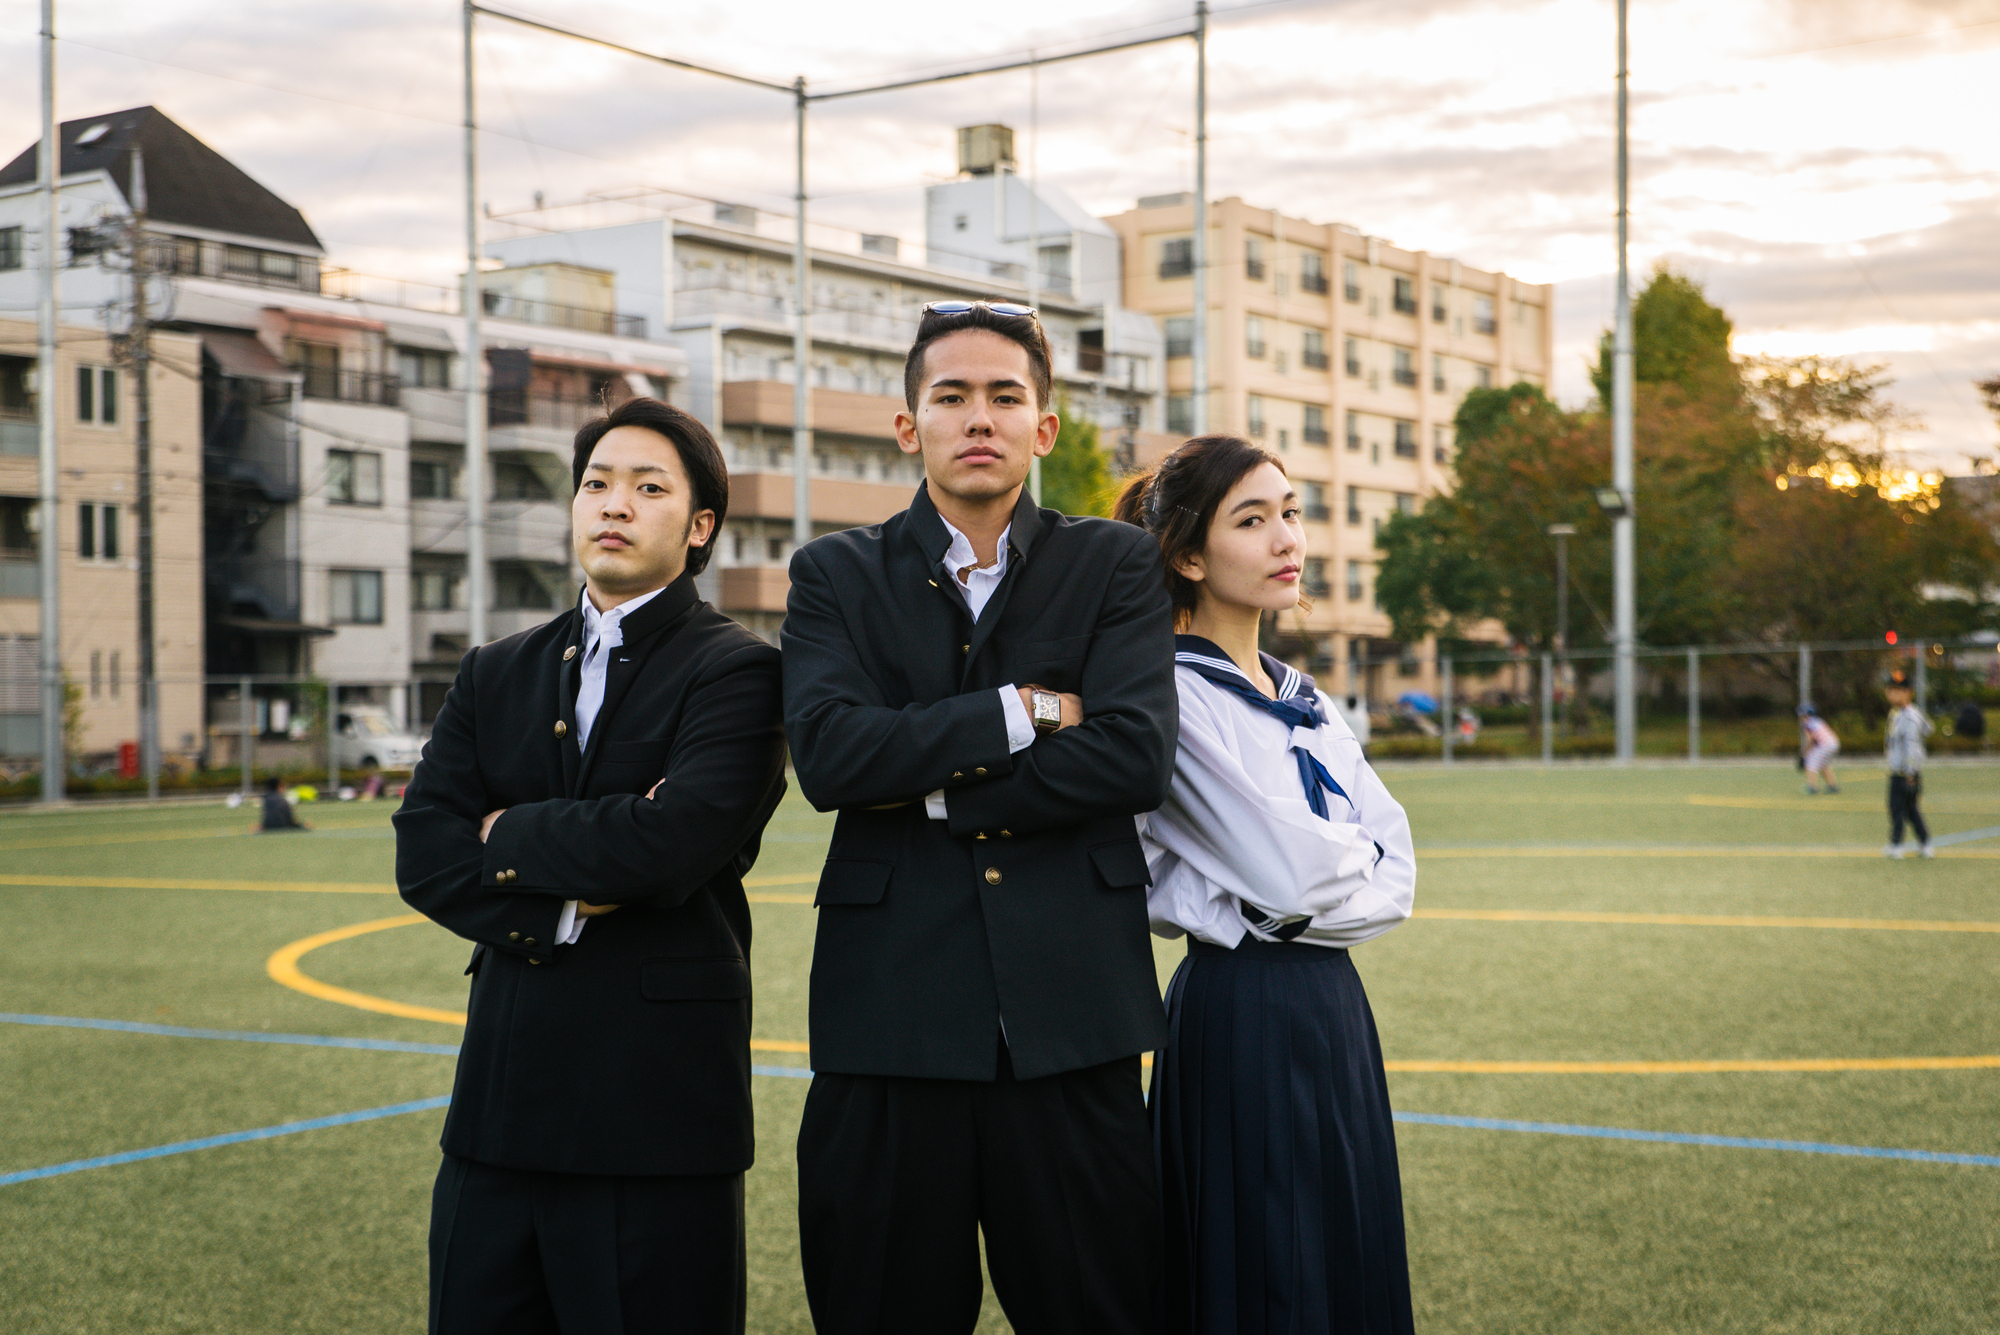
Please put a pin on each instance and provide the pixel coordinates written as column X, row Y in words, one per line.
column 1048, row 707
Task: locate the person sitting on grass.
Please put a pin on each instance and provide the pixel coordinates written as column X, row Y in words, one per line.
column 278, row 813
column 1818, row 744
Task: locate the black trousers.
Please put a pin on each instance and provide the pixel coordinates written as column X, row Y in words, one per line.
column 1904, row 790
column 524, row 1253
column 899, row 1176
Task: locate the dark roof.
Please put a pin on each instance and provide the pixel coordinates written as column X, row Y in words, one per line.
column 186, row 181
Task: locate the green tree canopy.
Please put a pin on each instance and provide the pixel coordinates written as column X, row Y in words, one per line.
column 1678, row 338
column 1076, row 475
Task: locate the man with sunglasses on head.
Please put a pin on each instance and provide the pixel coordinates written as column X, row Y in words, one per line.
column 983, row 689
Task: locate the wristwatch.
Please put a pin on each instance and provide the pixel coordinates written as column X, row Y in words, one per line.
column 1045, row 709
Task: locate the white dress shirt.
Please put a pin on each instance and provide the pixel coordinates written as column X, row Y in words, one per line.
column 978, row 584
column 603, row 632
column 1236, row 827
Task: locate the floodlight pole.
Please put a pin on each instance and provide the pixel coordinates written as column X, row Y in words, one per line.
column 1199, row 331
column 477, row 576
column 1034, row 225
column 801, row 338
column 1623, row 592
column 55, row 761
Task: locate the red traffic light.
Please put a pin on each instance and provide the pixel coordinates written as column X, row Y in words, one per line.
column 1890, row 637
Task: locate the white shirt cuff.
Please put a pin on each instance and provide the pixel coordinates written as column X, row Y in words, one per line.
column 1020, row 728
column 569, row 927
column 934, row 806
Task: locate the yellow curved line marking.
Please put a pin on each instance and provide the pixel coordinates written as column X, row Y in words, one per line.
column 168, row 883
column 1707, row 920
column 283, row 967
column 1958, row 808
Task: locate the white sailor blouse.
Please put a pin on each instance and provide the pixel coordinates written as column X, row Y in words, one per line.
column 1241, row 845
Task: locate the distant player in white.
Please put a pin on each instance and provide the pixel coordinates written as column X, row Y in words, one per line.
column 1818, row 745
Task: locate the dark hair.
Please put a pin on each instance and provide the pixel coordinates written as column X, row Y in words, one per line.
column 1025, row 330
column 1178, row 500
column 707, row 473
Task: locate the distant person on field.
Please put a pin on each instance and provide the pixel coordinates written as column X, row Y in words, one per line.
column 1905, row 753
column 1818, row 745
column 1276, row 851
column 600, row 1122
column 278, row 813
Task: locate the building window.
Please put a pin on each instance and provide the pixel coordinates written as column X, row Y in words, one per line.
column 1409, row 665
column 1354, row 506
column 1180, row 336
column 1482, row 315
column 433, row 590
column 518, row 587
column 1440, row 451
column 516, row 481
column 1406, row 440
column 1177, row 257
column 1352, row 349
column 96, row 532
column 1437, row 303
column 96, row 673
column 1406, row 296
column 117, row 675
column 354, row 597
column 1315, row 577
column 97, row 395
column 959, row 222
column 353, row 477
column 321, row 364
column 1350, row 280
column 423, row 368
column 430, row 480
column 1180, row 414
column 1484, row 376
column 1437, row 373
column 1406, row 367
column 1356, row 590
column 1315, row 501
column 1314, row 432
column 10, row 248
column 1312, row 350
column 1312, row 273
column 1253, row 337
column 1253, row 413
column 1354, row 432
column 1253, row 258
column 1406, row 504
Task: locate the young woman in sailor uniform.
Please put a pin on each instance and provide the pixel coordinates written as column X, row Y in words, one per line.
column 1278, row 849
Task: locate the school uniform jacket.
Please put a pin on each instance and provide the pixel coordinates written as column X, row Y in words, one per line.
column 1026, row 909
column 628, row 1052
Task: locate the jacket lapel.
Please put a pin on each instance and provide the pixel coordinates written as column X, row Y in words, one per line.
column 643, row 635
column 567, row 681
column 1021, row 537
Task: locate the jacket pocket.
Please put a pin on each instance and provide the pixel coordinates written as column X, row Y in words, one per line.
column 852, row 881
column 1121, row 864
column 694, row 980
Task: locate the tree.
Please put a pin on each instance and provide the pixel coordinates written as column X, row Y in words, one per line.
column 1678, row 338
column 1076, row 475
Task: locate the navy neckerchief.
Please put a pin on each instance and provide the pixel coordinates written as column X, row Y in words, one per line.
column 1297, row 706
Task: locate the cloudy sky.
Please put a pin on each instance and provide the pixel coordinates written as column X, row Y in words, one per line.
column 1828, row 168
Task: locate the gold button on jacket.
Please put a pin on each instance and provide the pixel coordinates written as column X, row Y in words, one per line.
column 992, row 876
column 562, row 729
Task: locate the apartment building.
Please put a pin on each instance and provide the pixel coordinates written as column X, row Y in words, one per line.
column 1348, row 357
column 96, row 519
column 719, row 279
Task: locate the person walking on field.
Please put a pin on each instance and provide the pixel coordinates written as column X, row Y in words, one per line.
column 1905, row 753
column 1818, row 745
column 1277, row 850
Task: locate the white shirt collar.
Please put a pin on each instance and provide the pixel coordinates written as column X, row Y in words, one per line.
column 960, row 554
column 596, row 623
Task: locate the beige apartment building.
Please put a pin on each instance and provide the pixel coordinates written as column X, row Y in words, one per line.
column 98, row 578
column 1348, row 357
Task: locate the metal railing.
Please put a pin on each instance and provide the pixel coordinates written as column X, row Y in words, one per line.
column 343, row 386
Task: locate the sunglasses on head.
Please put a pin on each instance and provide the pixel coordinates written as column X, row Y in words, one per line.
column 1012, row 310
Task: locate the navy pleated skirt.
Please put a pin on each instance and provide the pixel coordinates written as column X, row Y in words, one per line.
column 1277, row 1156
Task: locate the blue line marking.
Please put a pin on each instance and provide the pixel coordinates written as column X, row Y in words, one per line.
column 1683, row 1138
column 783, row 1072
column 234, row 1035
column 232, row 1138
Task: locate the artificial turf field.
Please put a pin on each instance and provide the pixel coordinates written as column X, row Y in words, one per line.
column 1576, row 927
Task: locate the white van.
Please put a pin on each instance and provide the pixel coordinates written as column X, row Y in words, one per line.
column 366, row 737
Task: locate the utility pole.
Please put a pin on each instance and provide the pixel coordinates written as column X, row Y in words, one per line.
column 55, row 756
column 802, row 524
column 1623, row 591
column 139, row 338
column 1034, row 225
column 1199, row 331
column 477, row 574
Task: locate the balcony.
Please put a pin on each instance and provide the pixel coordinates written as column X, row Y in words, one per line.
column 1352, row 292
column 20, row 434
column 1484, row 324
column 1254, row 348
column 1314, row 283
column 1317, row 512
column 1437, row 314
column 1354, row 367
column 1314, row 435
column 1177, row 261
column 253, row 586
column 1405, row 305
column 1253, row 270
column 507, row 306
column 1404, row 377
column 338, row 386
column 20, row 578
column 1313, row 361
column 1437, row 384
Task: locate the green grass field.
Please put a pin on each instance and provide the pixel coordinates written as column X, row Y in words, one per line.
column 1568, row 921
